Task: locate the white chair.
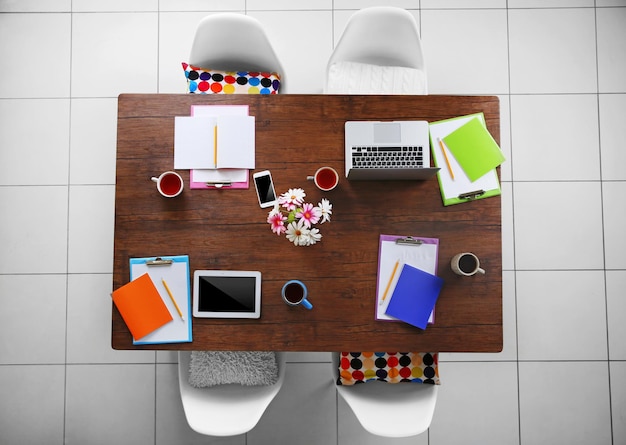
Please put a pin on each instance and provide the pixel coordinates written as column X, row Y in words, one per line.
column 389, row 409
column 225, row 410
column 379, row 52
column 234, row 42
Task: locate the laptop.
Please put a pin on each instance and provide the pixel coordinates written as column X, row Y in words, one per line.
column 397, row 150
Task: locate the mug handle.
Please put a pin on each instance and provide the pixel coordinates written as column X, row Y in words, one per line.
column 306, row 304
column 481, row 271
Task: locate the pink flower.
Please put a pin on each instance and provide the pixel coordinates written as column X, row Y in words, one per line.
column 276, row 221
column 308, row 214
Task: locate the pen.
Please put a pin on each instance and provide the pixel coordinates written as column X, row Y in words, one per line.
column 445, row 155
column 169, row 292
column 393, row 273
column 215, row 145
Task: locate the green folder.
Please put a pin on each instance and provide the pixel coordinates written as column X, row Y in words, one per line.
column 474, row 148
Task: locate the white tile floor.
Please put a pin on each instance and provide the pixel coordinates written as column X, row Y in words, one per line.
column 559, row 67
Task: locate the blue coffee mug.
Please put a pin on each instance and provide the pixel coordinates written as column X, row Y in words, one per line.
column 294, row 292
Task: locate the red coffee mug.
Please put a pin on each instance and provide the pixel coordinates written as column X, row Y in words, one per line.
column 169, row 184
column 325, row 178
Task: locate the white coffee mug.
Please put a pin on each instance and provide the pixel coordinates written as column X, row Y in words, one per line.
column 169, row 184
column 466, row 264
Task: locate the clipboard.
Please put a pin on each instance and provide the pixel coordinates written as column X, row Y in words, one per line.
column 218, row 181
column 393, row 252
column 460, row 189
column 175, row 271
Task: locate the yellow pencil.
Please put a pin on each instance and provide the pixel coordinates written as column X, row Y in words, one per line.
column 169, row 292
column 215, row 146
column 445, row 155
column 393, row 273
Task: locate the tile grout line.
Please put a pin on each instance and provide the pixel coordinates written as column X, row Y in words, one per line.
column 67, row 253
column 602, row 219
column 517, row 361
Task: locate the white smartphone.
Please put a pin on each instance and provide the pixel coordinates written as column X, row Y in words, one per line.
column 264, row 188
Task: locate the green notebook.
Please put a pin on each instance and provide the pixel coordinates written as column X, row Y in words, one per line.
column 474, row 149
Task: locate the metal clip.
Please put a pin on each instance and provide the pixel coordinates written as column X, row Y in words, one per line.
column 472, row 195
column 158, row 261
column 409, row 240
column 218, row 185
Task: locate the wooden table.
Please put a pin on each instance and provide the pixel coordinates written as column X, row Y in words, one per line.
column 226, row 229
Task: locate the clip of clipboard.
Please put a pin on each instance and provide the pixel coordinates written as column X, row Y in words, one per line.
column 218, row 184
column 409, row 241
column 419, row 252
column 170, row 274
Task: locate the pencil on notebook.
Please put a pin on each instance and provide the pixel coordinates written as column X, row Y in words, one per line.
column 445, row 155
column 393, row 273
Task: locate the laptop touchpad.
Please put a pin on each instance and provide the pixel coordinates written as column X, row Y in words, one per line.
column 385, row 133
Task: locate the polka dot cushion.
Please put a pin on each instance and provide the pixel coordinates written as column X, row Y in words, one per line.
column 389, row 367
column 207, row 81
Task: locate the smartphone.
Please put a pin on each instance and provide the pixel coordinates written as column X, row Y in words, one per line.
column 264, row 188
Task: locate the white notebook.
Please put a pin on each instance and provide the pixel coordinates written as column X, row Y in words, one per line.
column 209, row 142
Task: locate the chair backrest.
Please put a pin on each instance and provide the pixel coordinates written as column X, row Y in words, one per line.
column 382, row 36
column 225, row 410
column 234, row 42
column 389, row 409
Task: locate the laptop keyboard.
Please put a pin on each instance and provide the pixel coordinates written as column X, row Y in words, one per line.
column 387, row 157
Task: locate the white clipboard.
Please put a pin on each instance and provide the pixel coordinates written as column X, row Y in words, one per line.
column 422, row 253
column 175, row 271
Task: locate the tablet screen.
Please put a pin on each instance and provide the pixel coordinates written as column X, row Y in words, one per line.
column 226, row 294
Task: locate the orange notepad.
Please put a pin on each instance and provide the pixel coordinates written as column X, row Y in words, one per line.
column 141, row 306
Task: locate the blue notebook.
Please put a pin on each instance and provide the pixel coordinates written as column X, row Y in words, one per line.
column 414, row 296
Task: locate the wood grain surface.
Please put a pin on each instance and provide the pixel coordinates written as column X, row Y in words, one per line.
column 226, row 229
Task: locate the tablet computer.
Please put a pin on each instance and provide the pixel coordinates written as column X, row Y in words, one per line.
column 226, row 294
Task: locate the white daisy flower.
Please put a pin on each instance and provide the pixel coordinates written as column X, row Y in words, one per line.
column 326, row 208
column 297, row 233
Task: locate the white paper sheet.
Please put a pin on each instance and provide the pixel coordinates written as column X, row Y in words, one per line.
column 193, row 142
column 235, row 142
